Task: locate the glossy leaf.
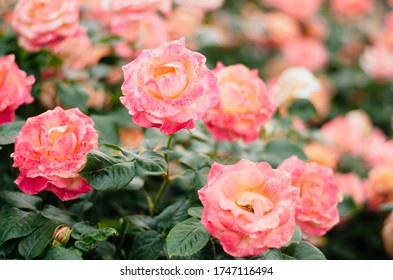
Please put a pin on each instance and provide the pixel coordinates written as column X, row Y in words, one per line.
column 172, row 215
column 60, row 253
column 15, row 223
column 151, row 163
column 9, row 131
column 34, row 244
column 147, row 246
column 187, row 238
column 21, row 200
column 107, row 173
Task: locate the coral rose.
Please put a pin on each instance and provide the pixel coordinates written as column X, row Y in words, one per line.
column 249, row 207
column 169, row 87
column 245, row 104
column 299, row 9
column 380, row 185
column 15, row 88
column 49, row 151
column 319, row 195
column 45, row 23
column 352, row 8
column 377, row 62
column 352, row 186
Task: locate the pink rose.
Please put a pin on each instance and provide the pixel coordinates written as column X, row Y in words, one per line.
column 49, row 151
column 44, row 23
column 319, row 195
column 352, row 186
column 168, row 87
column 377, row 62
column 306, row 52
column 15, row 88
column 249, row 207
column 299, row 9
column 352, row 7
column 245, row 104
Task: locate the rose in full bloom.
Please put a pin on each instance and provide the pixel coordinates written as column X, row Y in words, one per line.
column 319, row 195
column 249, row 207
column 294, row 83
column 169, row 87
column 245, row 104
column 50, row 149
column 15, row 88
column 45, row 23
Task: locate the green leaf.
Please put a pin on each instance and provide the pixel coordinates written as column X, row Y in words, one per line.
column 195, row 212
column 271, row 254
column 147, row 246
column 15, row 223
column 151, row 163
column 21, row 200
column 106, row 173
column 55, row 214
column 88, row 235
column 60, row 253
column 34, row 244
column 277, row 151
column 9, row 131
column 187, row 238
column 138, row 223
column 108, row 129
column 72, row 95
column 297, row 236
column 303, row 251
column 7, row 248
column 304, row 109
column 172, row 215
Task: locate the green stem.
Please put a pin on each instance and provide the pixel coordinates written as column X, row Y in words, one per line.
column 165, row 183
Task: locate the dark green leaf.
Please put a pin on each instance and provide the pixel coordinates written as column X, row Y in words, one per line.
column 151, row 163
column 55, row 214
column 172, row 215
column 60, row 253
column 7, row 248
column 271, row 254
column 297, row 235
column 187, row 238
column 80, row 207
column 15, row 223
column 147, row 246
column 195, row 212
column 87, row 235
column 303, row 251
column 277, row 151
column 34, row 244
column 106, row 173
column 21, row 200
column 82, row 228
column 72, row 95
column 304, row 109
column 138, row 223
column 9, row 131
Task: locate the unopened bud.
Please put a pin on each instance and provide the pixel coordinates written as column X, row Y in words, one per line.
column 61, row 235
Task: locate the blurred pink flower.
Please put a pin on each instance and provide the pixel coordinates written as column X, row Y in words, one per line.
column 306, row 52
column 204, row 5
column 319, row 195
column 350, row 133
column 169, row 87
column 322, row 154
column 245, row 104
column 249, row 207
column 380, row 185
column 15, row 88
column 377, row 62
column 352, row 8
column 352, row 186
column 45, row 23
column 49, row 151
column 299, row 9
